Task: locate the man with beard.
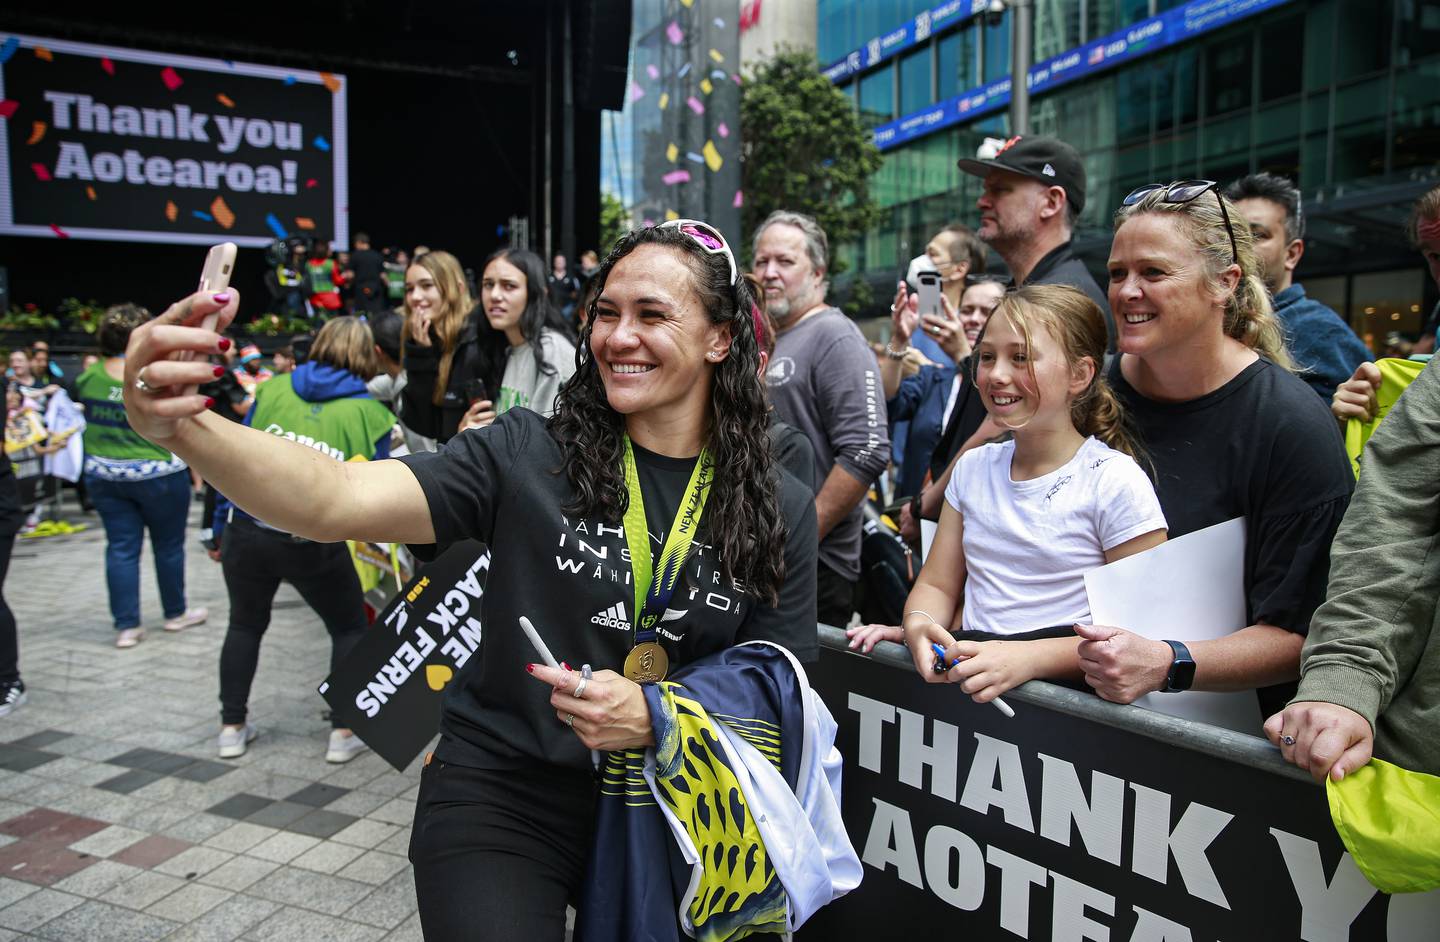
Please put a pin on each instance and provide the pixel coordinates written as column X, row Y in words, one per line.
column 823, row 380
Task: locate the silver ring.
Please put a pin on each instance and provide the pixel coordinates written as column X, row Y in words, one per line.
column 1288, row 740
column 934, row 330
column 580, row 687
column 140, row 383
column 570, row 720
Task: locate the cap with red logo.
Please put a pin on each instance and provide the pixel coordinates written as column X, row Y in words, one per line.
column 1046, row 159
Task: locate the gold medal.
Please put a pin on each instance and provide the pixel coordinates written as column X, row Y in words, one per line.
column 647, row 663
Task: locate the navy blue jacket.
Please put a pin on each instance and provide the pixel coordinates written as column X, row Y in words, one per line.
column 920, row 400
column 1324, row 348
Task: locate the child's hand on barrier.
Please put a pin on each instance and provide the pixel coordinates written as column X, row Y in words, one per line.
column 920, row 634
column 865, row 637
column 989, row 668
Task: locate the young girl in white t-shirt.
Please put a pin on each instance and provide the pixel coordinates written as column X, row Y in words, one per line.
column 1025, row 519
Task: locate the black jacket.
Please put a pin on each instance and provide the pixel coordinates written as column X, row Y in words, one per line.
column 422, row 367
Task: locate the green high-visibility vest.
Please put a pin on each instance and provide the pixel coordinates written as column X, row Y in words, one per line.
column 344, row 429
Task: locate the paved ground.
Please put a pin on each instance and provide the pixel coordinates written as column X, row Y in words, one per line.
column 118, row 823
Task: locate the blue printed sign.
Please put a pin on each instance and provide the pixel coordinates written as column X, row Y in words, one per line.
column 925, row 24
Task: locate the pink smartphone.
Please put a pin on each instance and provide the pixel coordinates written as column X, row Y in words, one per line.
column 214, row 277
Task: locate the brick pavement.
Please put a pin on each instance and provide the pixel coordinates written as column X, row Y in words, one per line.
column 117, row 821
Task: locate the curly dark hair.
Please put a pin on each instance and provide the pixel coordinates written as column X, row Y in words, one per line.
column 743, row 509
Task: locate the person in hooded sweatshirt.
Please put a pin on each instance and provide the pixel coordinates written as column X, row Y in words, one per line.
column 323, row 405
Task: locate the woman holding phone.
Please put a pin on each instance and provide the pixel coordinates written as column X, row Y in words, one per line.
column 660, row 416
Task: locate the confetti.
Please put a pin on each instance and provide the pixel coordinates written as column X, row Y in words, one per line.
column 705, row 86
column 201, row 214
column 7, row 107
column 715, row 54
column 289, row 80
column 59, row 233
column 713, row 160
column 108, row 66
column 739, row 199
column 320, row 142
column 694, row 157
column 312, row 183
column 7, row 49
column 664, row 100
column 688, row 3
column 42, row 53
column 171, row 210
column 670, row 215
column 672, row 152
column 636, row 92
column 736, row 77
column 37, row 132
column 651, row 71
column 683, row 71
column 223, row 214
column 330, row 81
column 719, row 75
column 676, row 176
column 675, row 34
column 275, row 226
column 42, row 172
column 719, row 23
column 305, row 222
column 225, row 100
column 723, row 130
column 695, row 105
column 90, row 192
column 171, row 78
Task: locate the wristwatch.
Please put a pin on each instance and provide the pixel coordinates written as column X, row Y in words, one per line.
column 1182, row 669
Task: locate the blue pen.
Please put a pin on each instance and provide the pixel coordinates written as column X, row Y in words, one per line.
column 941, row 668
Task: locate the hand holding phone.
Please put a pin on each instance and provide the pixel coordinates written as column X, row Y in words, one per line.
column 929, row 293
column 214, row 278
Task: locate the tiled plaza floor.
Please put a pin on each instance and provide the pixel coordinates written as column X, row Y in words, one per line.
column 118, row 822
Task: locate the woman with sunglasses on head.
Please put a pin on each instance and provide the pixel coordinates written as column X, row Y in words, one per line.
column 1229, row 432
column 657, row 432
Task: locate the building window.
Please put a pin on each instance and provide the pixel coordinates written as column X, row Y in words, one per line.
column 915, row 80
column 1281, row 66
column 959, row 62
column 997, row 51
column 877, row 97
column 1227, row 75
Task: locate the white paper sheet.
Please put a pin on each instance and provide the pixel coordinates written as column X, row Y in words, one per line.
column 1191, row 588
column 928, row 529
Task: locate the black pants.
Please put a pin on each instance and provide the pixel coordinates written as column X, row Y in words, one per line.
column 499, row 854
column 255, row 561
column 9, row 642
column 834, row 597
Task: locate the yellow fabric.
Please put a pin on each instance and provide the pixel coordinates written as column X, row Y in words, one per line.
column 1389, row 819
column 1395, row 375
column 370, row 574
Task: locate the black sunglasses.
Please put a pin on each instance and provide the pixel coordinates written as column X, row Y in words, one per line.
column 1184, row 191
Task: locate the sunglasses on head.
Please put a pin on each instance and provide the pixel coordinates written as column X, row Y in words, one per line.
column 1001, row 280
column 1185, row 191
column 708, row 238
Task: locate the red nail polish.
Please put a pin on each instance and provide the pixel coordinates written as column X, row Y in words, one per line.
column 219, row 371
column 209, row 402
column 224, row 343
column 530, row 668
column 564, row 665
column 222, row 298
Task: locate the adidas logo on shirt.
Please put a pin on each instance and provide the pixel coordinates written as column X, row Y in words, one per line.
column 612, row 617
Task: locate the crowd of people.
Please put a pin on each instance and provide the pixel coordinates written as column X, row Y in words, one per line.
column 737, row 428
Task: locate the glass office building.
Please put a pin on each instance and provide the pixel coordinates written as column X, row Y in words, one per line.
column 1341, row 96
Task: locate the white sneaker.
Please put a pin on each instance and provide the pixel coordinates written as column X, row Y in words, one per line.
column 342, row 747
column 129, row 637
column 234, row 741
column 187, row 619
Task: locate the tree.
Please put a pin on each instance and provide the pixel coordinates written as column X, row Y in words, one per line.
column 614, row 221
column 805, row 148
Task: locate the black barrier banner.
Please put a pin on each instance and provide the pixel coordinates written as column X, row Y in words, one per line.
column 1048, row 826
column 388, row 690
column 100, row 142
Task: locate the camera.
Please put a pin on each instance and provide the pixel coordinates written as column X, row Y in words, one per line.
column 994, row 12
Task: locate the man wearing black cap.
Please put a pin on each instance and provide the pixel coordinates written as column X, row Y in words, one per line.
column 1034, row 192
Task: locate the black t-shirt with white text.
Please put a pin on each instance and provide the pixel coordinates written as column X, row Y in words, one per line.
column 504, row 486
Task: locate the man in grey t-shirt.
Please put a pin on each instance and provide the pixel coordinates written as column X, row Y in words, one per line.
column 823, row 380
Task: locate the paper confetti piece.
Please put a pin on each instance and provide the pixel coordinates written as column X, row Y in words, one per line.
column 42, row 172
column 664, row 100
column 330, row 82
column 688, row 3
column 713, row 160
column 695, row 105
column 108, row 66
column 171, row 78
column 675, row 33
column 223, row 214
column 90, row 192
column 225, row 100
column 719, row 75
column 275, row 226
column 705, row 86
column 171, row 210
column 651, row 71
column 201, row 214
column 320, row 142
column 694, row 157
column 683, row 71
column 59, row 233
column 736, row 77
column 672, row 152
column 670, row 215
column 42, row 53
column 37, row 132
column 312, row 183
column 305, row 222
column 723, row 130
column 676, row 176
column 719, row 23
column 715, row 54
column 289, row 80
column 7, row 49
column 636, row 92
column 7, row 107
column 739, row 199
